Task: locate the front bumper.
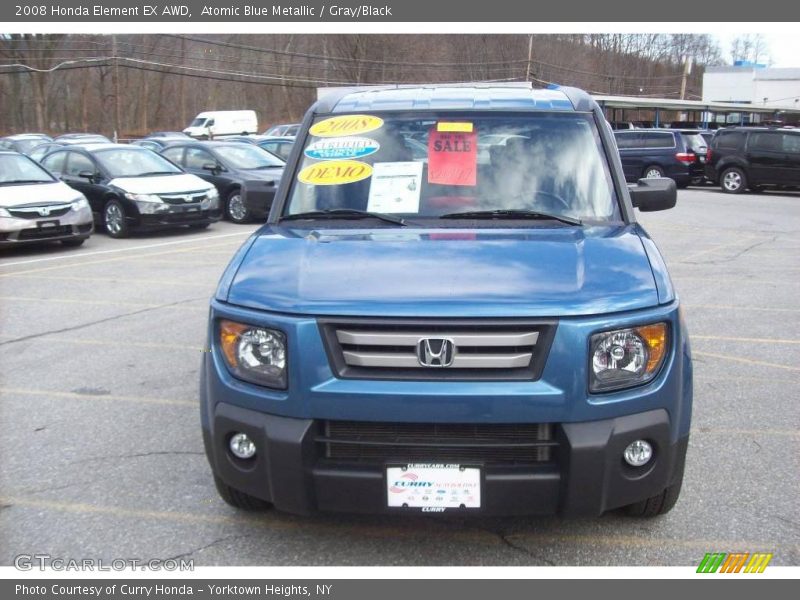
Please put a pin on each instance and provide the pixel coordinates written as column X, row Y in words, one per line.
column 587, row 476
column 176, row 217
column 75, row 225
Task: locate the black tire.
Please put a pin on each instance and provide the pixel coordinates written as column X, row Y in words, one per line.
column 733, row 180
column 73, row 243
column 660, row 504
column 115, row 220
column 653, row 171
column 239, row 499
column 235, row 210
column 199, row 225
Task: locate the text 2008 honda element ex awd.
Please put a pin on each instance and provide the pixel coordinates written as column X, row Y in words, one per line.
column 450, row 309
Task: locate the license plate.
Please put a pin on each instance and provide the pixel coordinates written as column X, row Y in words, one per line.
column 48, row 224
column 433, row 487
column 702, row 159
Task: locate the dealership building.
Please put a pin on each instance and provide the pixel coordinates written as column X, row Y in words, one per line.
column 754, row 84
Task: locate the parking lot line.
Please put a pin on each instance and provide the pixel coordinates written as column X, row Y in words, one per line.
column 108, row 302
column 127, row 248
column 759, row 363
column 283, row 522
column 50, row 338
column 717, row 247
column 101, row 397
column 727, row 338
column 120, row 279
column 793, row 433
column 109, row 260
column 739, row 307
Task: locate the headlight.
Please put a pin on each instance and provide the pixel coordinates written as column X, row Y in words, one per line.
column 255, row 354
column 148, row 204
column 211, row 201
column 79, row 204
column 626, row 357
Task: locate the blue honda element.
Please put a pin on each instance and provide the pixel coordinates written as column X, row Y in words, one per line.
column 450, row 309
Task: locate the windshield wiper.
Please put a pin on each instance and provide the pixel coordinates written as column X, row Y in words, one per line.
column 338, row 213
column 511, row 214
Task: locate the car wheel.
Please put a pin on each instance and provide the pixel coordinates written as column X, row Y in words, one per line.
column 235, row 208
column 239, row 499
column 114, row 219
column 660, row 504
column 733, row 181
column 73, row 243
column 653, row 171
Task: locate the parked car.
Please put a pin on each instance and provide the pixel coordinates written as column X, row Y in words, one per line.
column 284, row 130
column 40, row 151
column 157, row 144
column 447, row 335
column 212, row 124
column 742, row 158
column 279, row 146
column 23, row 142
column 658, row 153
column 82, row 138
column 37, row 207
column 696, row 144
column 167, row 134
column 130, row 187
column 230, row 166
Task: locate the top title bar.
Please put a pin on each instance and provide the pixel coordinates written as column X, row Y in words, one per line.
column 388, row 11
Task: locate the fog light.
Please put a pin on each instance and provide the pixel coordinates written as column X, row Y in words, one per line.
column 638, row 453
column 242, row 446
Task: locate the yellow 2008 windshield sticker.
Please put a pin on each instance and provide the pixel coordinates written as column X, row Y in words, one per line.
column 346, row 125
column 335, row 172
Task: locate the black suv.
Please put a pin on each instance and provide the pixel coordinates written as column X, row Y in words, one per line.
column 669, row 153
column 742, row 158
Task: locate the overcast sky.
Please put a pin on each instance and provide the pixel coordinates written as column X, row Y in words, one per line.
column 784, row 48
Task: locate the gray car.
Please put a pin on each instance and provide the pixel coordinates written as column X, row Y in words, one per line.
column 37, row 207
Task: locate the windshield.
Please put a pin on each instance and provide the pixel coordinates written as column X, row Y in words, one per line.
column 15, row 168
column 134, row 162
column 429, row 165
column 197, row 123
column 247, row 156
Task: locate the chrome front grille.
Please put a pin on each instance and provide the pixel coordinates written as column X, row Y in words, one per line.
column 190, row 198
column 400, row 349
column 35, row 212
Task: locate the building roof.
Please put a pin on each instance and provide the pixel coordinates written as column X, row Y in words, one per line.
column 673, row 104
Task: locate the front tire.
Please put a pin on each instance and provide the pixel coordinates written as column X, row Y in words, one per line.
column 239, row 499
column 660, row 504
column 235, row 208
column 115, row 220
column 733, row 180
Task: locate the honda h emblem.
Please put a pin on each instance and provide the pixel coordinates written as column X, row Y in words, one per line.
column 43, row 211
column 436, row 352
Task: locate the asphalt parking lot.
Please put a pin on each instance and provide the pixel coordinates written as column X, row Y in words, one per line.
column 100, row 447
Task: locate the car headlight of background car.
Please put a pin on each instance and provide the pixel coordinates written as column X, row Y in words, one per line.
column 148, row 204
column 254, row 354
column 79, row 204
column 211, row 201
column 626, row 357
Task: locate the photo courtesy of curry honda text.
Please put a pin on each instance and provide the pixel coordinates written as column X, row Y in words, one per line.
column 451, row 309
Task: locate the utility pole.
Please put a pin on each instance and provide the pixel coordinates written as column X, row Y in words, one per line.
column 181, row 85
column 530, row 55
column 116, row 86
column 687, row 69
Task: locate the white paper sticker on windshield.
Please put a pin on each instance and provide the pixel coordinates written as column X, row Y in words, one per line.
column 395, row 187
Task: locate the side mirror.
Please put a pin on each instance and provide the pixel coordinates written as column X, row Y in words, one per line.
column 210, row 167
column 86, row 175
column 657, row 193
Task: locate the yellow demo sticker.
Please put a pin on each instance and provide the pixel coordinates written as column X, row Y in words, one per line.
column 454, row 127
column 335, row 172
column 346, row 125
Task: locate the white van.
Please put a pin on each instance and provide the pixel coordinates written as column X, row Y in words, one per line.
column 216, row 123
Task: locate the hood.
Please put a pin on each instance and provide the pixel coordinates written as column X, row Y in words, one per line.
column 162, row 184
column 445, row 272
column 56, row 192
